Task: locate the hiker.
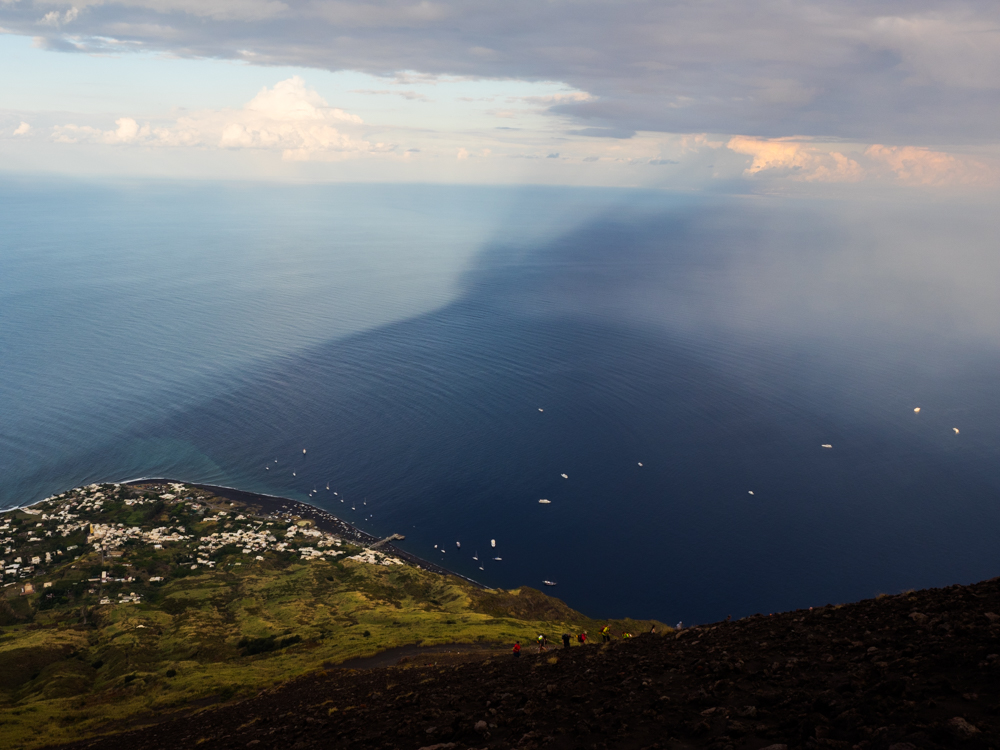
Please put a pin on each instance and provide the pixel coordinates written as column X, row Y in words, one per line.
column 542, row 640
column 606, row 634
column 652, row 630
column 582, row 638
column 566, row 637
column 517, row 649
column 626, row 634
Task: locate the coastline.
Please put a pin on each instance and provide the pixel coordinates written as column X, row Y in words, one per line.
column 276, row 506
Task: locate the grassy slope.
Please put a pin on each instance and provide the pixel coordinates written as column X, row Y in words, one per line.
column 61, row 680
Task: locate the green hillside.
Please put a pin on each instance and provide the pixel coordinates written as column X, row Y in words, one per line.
column 121, row 604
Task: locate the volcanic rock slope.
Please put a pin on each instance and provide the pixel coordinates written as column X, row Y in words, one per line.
column 916, row 670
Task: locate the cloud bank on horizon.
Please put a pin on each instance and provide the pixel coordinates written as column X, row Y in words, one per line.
column 829, row 91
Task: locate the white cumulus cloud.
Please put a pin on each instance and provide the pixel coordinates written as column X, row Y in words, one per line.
column 289, row 117
column 22, row 129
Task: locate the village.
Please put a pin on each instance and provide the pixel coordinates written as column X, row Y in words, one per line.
column 136, row 535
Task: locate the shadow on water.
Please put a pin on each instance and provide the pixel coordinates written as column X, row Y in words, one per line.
column 687, row 407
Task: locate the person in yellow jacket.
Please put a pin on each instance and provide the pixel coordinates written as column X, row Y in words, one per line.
column 606, row 634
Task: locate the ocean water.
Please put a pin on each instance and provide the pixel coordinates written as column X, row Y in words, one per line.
column 446, row 354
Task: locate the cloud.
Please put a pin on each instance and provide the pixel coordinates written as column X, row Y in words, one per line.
column 882, row 71
column 289, row 118
column 410, row 95
column 22, row 129
column 907, row 165
column 913, row 165
column 55, row 18
column 796, row 159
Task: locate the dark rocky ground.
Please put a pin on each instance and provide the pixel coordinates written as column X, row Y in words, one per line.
column 917, row 670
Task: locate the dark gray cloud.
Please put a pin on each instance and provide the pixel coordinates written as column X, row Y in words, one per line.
column 884, row 70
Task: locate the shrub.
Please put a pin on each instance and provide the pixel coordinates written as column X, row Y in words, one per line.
column 171, row 673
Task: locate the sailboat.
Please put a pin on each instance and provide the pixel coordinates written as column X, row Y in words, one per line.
column 476, row 556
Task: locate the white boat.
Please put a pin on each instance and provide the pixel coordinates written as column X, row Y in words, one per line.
column 640, row 463
column 458, row 544
column 751, row 492
column 476, row 556
column 826, row 445
column 498, row 559
column 293, row 474
column 917, row 410
column 549, row 583
column 481, row 567
column 955, row 429
column 564, row 476
column 328, row 487
column 541, row 410
column 543, row 501
column 303, row 451
column 493, row 542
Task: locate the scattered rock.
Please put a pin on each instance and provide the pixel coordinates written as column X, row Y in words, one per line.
column 962, row 728
column 481, row 726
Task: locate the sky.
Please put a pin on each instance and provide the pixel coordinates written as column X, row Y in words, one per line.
column 744, row 95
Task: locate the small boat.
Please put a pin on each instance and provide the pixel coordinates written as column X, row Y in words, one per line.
column 917, row 410
column 493, row 542
column 458, row 544
column 498, row 559
column 543, row 501
column 328, row 487
column 541, row 410
column 549, row 583
column 955, row 429
column 435, row 546
column 826, row 445
column 267, row 468
column 751, row 492
column 640, row 463
column 303, row 451
column 293, row 473
column 564, row 476
column 476, row 556
column 481, row 567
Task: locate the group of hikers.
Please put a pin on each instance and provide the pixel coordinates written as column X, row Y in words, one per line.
column 543, row 641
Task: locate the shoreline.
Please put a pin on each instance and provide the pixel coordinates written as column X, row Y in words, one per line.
column 277, row 506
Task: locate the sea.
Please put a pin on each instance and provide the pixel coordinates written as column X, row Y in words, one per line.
column 716, row 393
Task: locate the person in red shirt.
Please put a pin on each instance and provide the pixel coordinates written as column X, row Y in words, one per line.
column 517, row 649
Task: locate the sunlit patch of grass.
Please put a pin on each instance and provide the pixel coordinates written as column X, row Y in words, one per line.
column 184, row 647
